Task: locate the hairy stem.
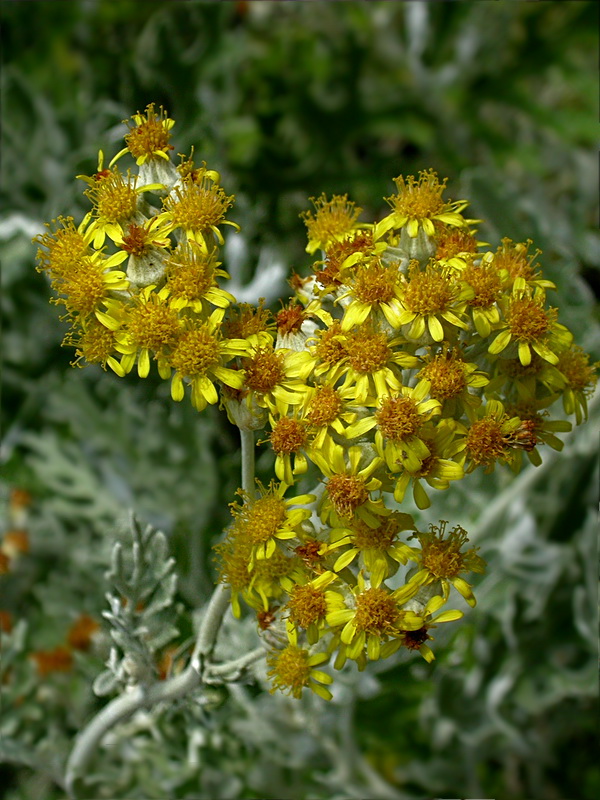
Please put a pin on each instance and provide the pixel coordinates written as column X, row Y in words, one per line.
column 247, row 442
column 122, row 707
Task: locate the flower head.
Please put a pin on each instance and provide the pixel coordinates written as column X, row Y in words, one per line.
column 419, row 203
column 293, row 669
column 332, row 221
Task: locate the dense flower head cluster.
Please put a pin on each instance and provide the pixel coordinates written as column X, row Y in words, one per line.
column 410, row 356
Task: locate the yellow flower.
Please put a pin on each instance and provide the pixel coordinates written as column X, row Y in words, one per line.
column 437, row 469
column 197, row 209
column 96, row 344
column 275, row 379
column 529, row 326
column 398, row 418
column 377, row 549
column 494, row 437
column 85, row 279
column 65, row 246
column 374, row 362
column 293, row 669
column 448, row 377
column 349, row 486
column 327, row 412
column 541, row 430
column 149, row 138
column 442, row 560
column 333, row 221
column 431, row 301
column 517, row 267
column 357, row 247
column 270, row 518
column 257, row 582
column 198, row 357
column 486, row 284
column 373, row 289
column 574, row 365
column 307, row 607
column 418, row 204
column 454, row 246
column 253, row 323
column 289, row 439
column 511, row 377
column 116, row 205
column 374, row 619
column 191, row 279
column 151, row 327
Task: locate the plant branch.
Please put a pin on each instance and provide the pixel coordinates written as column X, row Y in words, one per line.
column 199, row 668
column 247, row 442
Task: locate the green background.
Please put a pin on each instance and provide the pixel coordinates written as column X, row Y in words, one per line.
column 287, row 100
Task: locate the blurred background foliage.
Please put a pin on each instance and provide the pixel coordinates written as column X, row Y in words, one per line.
column 288, row 100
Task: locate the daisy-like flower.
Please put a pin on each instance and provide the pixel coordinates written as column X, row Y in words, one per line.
column 443, row 562
column 374, row 363
column 448, row 378
column 307, row 607
column 64, row 247
column 369, row 617
column 258, row 583
column 327, row 412
column 293, row 669
column 486, row 284
column 332, row 221
column 289, row 440
column 146, row 247
column 198, row 357
column 191, row 279
column 377, row 549
column 339, row 256
column 418, row 204
column 517, row 267
column 494, row 437
column 116, row 200
column 529, row 326
column 372, row 288
column 275, row 379
column 455, row 247
column 437, row 469
column 524, row 382
column 329, row 352
column 85, row 279
column 398, row 418
column 349, row 486
column 148, row 138
column 95, row 344
column 431, row 301
column 197, row 209
column 253, row 323
column 533, row 414
column 270, row 518
column 574, row 365
column 151, row 328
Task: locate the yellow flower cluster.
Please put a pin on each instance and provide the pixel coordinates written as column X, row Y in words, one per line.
column 138, row 276
column 411, row 356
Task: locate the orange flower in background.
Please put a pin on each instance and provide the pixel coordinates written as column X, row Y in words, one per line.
column 58, row 660
column 81, row 632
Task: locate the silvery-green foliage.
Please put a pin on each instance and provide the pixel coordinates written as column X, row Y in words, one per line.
column 141, row 611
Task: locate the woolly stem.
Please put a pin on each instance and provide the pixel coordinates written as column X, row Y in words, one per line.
column 247, row 442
